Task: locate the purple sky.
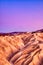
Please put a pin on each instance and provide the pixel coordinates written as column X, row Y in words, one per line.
column 17, row 16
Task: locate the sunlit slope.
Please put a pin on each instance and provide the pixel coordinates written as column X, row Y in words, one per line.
column 21, row 48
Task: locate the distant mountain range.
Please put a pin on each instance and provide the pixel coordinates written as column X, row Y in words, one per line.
column 12, row 33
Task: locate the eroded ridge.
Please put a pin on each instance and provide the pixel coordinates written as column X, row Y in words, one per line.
column 25, row 48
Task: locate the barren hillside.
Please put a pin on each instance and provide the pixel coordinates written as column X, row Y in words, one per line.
column 21, row 48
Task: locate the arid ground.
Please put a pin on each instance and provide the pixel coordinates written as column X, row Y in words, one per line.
column 21, row 48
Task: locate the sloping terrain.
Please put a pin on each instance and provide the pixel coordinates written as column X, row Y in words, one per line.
column 21, row 48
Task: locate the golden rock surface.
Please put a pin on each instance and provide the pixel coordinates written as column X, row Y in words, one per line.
column 22, row 48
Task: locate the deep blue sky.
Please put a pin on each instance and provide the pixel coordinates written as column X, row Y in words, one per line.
column 21, row 15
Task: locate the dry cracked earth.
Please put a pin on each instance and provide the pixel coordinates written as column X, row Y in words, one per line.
column 21, row 48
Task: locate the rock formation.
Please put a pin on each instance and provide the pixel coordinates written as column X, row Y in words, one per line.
column 21, row 48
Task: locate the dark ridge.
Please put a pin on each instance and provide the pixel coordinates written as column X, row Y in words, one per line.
column 12, row 33
column 41, row 30
column 17, row 33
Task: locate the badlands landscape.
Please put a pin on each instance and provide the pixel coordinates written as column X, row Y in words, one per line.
column 21, row 48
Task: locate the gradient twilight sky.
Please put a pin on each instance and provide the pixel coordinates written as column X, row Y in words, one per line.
column 21, row 15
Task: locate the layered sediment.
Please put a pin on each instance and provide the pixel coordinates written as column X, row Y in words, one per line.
column 21, row 48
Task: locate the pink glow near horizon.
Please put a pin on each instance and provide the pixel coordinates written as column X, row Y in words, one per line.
column 21, row 18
